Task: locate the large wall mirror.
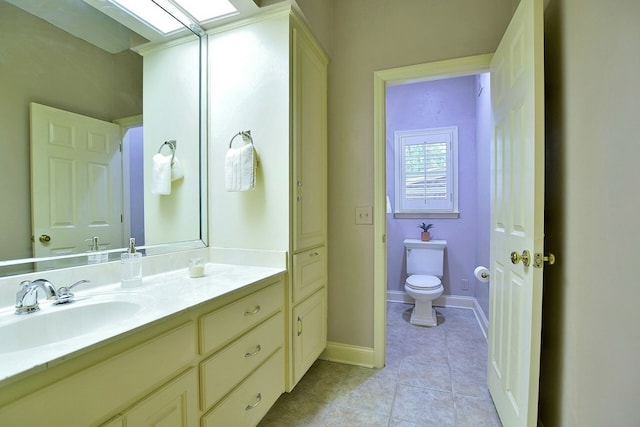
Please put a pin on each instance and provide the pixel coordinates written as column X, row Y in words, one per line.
column 81, row 77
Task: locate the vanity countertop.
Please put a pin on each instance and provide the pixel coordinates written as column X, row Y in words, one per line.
column 160, row 296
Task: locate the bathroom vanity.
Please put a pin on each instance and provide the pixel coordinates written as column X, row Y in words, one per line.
column 210, row 351
column 217, row 350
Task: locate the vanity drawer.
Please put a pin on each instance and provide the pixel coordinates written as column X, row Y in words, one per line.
column 309, row 272
column 248, row 403
column 220, row 326
column 224, row 370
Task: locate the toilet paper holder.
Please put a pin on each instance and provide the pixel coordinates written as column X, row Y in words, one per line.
column 482, row 273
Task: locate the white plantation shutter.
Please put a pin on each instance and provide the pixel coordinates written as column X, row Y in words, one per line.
column 426, row 170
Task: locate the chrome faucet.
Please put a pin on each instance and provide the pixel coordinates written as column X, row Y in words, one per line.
column 27, row 296
column 64, row 293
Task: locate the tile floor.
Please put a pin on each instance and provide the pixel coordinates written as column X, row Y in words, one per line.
column 433, row 377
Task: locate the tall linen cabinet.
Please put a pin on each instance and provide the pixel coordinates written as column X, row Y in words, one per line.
column 268, row 75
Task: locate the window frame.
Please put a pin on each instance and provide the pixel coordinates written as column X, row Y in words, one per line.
column 402, row 138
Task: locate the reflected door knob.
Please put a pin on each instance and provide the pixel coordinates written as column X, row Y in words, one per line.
column 44, row 238
column 525, row 258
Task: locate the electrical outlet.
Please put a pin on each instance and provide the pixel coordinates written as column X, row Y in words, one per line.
column 364, row 215
column 464, row 284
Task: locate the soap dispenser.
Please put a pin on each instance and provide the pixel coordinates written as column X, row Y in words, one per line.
column 131, row 266
column 94, row 255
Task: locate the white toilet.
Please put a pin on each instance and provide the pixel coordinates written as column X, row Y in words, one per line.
column 425, row 264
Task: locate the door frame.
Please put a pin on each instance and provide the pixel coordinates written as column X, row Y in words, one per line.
column 458, row 67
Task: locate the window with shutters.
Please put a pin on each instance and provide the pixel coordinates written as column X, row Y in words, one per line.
column 426, row 162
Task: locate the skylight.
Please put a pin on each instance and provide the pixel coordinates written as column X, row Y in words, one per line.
column 152, row 13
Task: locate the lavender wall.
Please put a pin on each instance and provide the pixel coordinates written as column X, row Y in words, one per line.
column 448, row 102
column 136, row 176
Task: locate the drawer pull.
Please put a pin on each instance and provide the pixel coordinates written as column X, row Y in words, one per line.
column 313, row 254
column 299, row 326
column 256, row 403
column 257, row 350
column 252, row 312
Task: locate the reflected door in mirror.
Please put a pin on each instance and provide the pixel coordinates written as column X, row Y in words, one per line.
column 76, row 181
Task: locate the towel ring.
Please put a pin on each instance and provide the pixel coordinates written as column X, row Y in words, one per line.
column 244, row 134
column 172, row 147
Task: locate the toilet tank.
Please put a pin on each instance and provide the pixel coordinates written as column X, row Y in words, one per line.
column 425, row 257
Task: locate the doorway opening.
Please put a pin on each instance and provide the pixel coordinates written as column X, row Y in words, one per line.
column 133, row 178
column 383, row 80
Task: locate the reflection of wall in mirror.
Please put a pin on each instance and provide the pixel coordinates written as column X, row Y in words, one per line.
column 44, row 64
column 172, row 112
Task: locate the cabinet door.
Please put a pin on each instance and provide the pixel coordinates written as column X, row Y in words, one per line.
column 175, row 405
column 310, row 333
column 309, row 123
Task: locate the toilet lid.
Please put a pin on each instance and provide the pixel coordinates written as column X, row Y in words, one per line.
column 419, row 281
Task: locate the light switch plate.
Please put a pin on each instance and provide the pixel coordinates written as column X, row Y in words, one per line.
column 364, row 215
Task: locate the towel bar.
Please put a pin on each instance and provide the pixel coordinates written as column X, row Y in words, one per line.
column 244, row 134
column 172, row 147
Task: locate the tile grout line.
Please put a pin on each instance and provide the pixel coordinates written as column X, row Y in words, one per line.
column 453, row 391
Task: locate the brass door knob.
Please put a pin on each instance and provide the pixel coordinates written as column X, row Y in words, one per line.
column 525, row 258
column 44, row 238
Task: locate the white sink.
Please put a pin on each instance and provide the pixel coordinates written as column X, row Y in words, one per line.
column 58, row 323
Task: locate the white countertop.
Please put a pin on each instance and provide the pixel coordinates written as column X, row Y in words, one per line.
column 160, row 296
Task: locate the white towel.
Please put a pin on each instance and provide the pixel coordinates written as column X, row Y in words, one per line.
column 177, row 171
column 240, row 169
column 161, row 179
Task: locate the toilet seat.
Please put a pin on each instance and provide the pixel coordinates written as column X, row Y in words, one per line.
column 423, row 282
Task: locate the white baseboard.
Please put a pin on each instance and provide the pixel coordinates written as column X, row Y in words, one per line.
column 399, row 296
column 363, row 356
column 471, row 303
column 455, row 301
column 482, row 319
column 349, row 354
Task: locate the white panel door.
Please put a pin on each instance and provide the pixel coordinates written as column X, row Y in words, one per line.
column 76, row 182
column 517, row 199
